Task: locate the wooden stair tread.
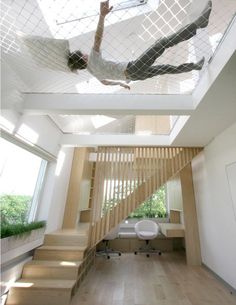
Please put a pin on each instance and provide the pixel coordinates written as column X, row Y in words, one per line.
column 62, row 264
column 83, row 226
column 68, row 232
column 63, row 248
column 44, row 283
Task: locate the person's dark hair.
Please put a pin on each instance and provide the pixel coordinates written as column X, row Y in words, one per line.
column 76, row 61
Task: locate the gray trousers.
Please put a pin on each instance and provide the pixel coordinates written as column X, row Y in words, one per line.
column 142, row 68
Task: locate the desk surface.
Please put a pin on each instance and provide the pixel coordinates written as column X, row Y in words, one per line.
column 172, row 229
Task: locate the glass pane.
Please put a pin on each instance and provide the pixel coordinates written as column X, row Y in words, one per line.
column 153, row 207
column 19, row 171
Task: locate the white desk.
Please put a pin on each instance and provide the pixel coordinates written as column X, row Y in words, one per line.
column 172, row 229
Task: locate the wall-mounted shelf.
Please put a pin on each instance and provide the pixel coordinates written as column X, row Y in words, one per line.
column 172, row 229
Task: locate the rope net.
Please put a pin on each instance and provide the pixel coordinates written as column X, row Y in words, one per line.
column 37, row 37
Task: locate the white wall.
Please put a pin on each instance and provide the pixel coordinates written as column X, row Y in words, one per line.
column 216, row 217
column 48, row 134
column 55, row 191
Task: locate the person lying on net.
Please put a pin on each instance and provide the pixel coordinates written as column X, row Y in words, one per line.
column 109, row 72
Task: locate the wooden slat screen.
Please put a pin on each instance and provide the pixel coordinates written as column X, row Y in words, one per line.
column 126, row 176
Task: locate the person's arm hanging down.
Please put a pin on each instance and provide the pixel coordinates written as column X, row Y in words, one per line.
column 104, row 10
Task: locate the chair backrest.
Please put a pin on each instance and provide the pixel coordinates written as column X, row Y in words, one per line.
column 146, row 229
column 112, row 234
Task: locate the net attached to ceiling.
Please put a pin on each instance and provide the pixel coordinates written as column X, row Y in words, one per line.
column 41, row 35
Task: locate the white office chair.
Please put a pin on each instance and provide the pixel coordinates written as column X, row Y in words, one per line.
column 147, row 230
column 112, row 234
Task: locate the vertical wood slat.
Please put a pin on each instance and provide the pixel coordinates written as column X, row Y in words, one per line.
column 106, row 167
column 110, row 175
column 128, row 182
column 149, row 192
column 133, row 179
column 152, row 170
column 116, row 188
column 119, row 170
column 159, row 165
column 124, row 181
column 97, row 184
column 93, row 201
column 103, row 179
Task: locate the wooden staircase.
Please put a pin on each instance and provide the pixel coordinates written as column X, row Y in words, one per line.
column 137, row 172
column 57, row 269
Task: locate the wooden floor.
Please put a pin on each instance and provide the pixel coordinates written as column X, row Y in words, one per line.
column 157, row 280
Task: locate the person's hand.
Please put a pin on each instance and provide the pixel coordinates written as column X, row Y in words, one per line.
column 125, row 86
column 104, row 8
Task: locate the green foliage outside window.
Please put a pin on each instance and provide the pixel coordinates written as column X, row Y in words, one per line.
column 153, row 207
column 20, row 228
column 120, row 192
column 14, row 209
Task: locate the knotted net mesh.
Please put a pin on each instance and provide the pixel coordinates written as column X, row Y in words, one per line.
column 37, row 37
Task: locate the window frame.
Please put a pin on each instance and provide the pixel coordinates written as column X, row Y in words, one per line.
column 46, row 158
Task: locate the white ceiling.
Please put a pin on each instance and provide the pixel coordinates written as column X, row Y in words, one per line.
column 129, row 38
column 126, row 36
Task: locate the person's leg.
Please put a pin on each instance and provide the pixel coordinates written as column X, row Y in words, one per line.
column 168, row 69
column 147, row 59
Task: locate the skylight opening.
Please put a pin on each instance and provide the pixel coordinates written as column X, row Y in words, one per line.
column 118, row 5
column 8, row 30
column 101, row 120
column 75, row 17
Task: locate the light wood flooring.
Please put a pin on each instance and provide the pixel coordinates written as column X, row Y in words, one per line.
column 157, row 280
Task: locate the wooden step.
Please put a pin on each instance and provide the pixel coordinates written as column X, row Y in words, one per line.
column 38, row 269
column 66, row 238
column 41, row 292
column 60, row 253
column 85, row 215
column 83, row 227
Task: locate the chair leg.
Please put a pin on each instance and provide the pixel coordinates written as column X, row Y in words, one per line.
column 107, row 251
column 147, row 249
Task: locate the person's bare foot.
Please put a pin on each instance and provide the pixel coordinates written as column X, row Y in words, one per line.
column 203, row 19
column 199, row 64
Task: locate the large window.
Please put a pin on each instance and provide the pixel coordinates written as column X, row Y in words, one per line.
column 153, row 207
column 21, row 177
